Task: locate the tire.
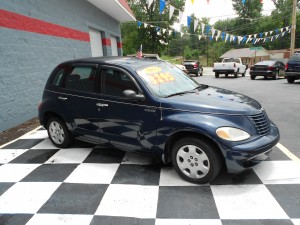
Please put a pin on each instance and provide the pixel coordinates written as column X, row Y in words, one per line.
column 253, row 77
column 58, row 133
column 244, row 74
column 195, row 160
column 216, row 75
column 197, row 73
column 236, row 74
column 201, row 74
column 290, row 80
column 276, row 76
column 226, row 74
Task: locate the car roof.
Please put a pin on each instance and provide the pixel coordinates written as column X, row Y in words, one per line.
column 129, row 62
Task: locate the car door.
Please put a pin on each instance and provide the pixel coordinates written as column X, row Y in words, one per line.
column 78, row 101
column 126, row 123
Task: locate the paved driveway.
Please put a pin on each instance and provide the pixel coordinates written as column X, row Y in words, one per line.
column 87, row 184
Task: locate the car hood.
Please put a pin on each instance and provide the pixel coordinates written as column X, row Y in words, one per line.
column 213, row 100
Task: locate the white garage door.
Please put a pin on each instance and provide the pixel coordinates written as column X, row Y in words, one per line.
column 114, row 46
column 96, row 43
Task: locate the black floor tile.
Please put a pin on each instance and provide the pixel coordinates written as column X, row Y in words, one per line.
column 196, row 202
column 107, row 220
column 257, row 222
column 75, row 199
column 14, row 219
column 23, row 144
column 137, row 174
column 50, row 173
column 35, row 156
column 105, row 155
column 288, row 196
column 4, row 186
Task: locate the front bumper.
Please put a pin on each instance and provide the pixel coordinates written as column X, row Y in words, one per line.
column 244, row 156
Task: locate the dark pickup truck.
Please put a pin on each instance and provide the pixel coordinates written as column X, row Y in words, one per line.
column 193, row 67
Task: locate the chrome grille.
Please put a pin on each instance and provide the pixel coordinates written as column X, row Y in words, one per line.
column 261, row 123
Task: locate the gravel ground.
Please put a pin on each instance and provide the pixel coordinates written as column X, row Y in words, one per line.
column 15, row 132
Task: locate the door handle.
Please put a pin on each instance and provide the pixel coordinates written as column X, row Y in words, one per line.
column 101, row 105
column 62, row 98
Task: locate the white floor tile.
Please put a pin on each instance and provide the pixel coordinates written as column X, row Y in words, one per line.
column 15, row 172
column 26, row 197
column 138, row 159
column 246, row 202
column 70, row 155
column 169, row 177
column 38, row 134
column 129, row 201
column 296, row 221
column 60, row 219
column 93, row 173
column 187, row 222
column 8, row 155
column 278, row 172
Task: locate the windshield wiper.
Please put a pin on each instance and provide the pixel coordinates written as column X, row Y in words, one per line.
column 180, row 93
column 201, row 87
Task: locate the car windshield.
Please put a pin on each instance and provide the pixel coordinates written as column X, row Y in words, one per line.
column 265, row 63
column 295, row 58
column 165, row 80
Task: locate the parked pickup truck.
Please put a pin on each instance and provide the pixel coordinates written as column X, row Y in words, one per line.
column 228, row 66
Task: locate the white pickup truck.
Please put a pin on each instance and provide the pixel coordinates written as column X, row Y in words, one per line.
column 228, row 66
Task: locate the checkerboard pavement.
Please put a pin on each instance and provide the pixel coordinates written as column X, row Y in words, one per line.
column 87, row 184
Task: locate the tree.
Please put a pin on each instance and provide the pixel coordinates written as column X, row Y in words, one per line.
column 155, row 37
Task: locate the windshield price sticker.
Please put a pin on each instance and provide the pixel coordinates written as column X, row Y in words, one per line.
column 160, row 78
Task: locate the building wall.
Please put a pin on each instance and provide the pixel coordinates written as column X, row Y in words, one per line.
column 35, row 36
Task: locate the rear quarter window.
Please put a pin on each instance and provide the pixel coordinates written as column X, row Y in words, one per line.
column 295, row 58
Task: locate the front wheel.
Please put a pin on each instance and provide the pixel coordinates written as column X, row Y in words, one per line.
column 276, row 76
column 196, row 160
column 58, row 133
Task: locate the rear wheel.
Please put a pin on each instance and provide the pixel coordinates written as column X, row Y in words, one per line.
column 58, row 133
column 276, row 76
column 195, row 160
column 236, row 74
column 216, row 75
column 290, row 80
column 253, row 77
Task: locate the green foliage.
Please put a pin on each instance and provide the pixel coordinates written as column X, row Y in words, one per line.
column 249, row 21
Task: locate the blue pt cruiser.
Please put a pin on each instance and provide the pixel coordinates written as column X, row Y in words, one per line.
column 153, row 107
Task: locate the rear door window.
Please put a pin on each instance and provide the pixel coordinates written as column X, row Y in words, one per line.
column 81, row 78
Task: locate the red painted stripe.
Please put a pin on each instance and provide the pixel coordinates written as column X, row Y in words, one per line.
column 119, row 44
column 106, row 41
column 19, row 22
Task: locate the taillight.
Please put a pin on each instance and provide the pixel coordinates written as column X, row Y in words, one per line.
column 270, row 67
column 233, row 64
column 286, row 66
column 195, row 65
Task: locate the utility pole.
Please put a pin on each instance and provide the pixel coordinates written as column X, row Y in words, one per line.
column 293, row 32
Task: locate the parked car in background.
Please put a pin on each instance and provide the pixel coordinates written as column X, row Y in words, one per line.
column 228, row 66
column 267, row 68
column 292, row 68
column 152, row 107
column 193, row 67
column 182, row 67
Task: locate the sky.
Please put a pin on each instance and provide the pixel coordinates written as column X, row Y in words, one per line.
column 217, row 9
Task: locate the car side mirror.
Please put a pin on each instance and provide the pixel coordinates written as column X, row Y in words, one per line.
column 130, row 94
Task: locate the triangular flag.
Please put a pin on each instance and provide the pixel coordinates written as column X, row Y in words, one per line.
column 189, row 20
column 171, row 11
column 181, row 34
column 192, row 2
column 195, row 24
column 266, row 34
column 227, row 35
column 203, row 27
column 271, row 32
column 145, row 25
column 207, row 1
column 180, row 16
column 255, row 35
column 213, row 32
column 218, row 35
column 162, row 5
column 150, row 3
column 139, row 23
column 272, row 38
column 199, row 36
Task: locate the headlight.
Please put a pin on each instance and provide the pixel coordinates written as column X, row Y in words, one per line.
column 232, row 134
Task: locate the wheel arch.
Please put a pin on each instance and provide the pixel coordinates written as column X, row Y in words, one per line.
column 183, row 134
